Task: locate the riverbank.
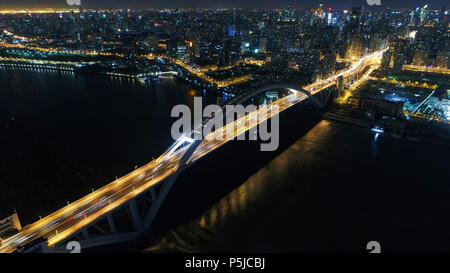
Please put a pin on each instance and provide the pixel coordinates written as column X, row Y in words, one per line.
column 409, row 130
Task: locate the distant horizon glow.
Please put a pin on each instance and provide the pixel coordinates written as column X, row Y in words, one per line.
column 247, row 4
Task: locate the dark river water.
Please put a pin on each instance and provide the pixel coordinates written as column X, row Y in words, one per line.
column 329, row 187
column 336, row 188
column 108, row 120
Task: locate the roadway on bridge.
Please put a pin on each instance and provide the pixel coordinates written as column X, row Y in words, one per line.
column 68, row 220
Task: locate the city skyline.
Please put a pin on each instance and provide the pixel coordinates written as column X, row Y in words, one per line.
column 105, row 4
column 308, row 110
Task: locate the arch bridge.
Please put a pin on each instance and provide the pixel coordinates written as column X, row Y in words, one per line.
column 100, row 218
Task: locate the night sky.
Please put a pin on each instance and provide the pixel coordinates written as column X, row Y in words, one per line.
column 436, row 4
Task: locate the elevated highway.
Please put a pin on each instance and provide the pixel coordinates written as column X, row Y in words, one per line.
column 156, row 178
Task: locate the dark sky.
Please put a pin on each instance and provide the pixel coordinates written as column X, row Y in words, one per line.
column 437, row 4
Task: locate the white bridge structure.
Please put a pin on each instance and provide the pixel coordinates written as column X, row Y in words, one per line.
column 93, row 219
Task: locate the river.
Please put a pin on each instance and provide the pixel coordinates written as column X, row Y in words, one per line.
column 330, row 186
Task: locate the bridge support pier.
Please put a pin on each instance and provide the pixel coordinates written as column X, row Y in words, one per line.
column 85, row 233
column 153, row 194
column 112, row 225
column 44, row 247
column 159, row 199
column 135, row 214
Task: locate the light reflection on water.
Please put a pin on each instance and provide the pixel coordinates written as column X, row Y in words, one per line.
column 335, row 189
column 256, row 192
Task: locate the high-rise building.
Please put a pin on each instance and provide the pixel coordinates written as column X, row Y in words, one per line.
column 423, row 14
column 399, row 61
column 398, row 54
column 262, row 44
column 444, row 16
column 386, row 61
column 339, row 86
column 181, row 51
column 231, row 30
column 355, row 18
column 411, row 17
